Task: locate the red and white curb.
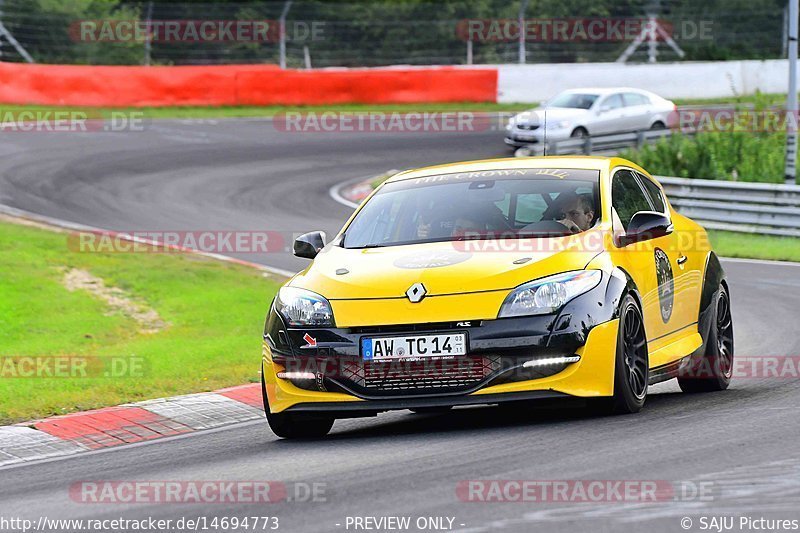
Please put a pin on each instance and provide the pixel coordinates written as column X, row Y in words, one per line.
column 130, row 423
column 127, row 424
column 352, row 192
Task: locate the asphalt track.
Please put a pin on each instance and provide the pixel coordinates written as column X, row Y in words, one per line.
column 244, row 175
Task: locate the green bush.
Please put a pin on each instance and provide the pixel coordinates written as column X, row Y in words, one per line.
column 740, row 156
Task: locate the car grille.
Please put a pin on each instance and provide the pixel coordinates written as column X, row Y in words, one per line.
column 429, row 376
column 528, row 127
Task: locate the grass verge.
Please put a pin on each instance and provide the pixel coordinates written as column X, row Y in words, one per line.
column 747, row 246
column 213, row 310
column 189, row 112
column 270, row 111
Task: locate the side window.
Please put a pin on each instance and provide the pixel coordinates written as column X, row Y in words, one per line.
column 633, row 99
column 627, row 197
column 655, row 194
column 613, row 102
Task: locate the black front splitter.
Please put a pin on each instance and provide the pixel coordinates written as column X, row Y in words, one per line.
column 368, row 407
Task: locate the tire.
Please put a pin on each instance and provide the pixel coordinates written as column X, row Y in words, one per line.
column 713, row 372
column 295, row 425
column 430, row 410
column 579, row 133
column 631, row 369
column 658, row 125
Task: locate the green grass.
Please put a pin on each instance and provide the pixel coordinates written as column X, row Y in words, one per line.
column 758, row 99
column 729, row 244
column 269, row 111
column 214, row 310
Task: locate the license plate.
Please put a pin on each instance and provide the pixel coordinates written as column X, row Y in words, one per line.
column 525, row 138
column 385, row 348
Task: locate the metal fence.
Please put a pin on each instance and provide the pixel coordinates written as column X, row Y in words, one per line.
column 764, row 208
column 384, row 32
column 596, row 144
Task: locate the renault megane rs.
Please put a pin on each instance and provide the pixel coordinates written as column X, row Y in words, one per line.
column 498, row 281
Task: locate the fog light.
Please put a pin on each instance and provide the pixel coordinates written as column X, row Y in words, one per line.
column 297, row 375
column 551, row 361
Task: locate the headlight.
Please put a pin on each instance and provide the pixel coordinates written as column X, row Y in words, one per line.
column 548, row 295
column 511, row 122
column 525, row 116
column 303, row 308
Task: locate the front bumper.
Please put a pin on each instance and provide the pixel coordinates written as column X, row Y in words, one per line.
column 592, row 376
column 517, row 140
column 517, row 137
column 492, row 370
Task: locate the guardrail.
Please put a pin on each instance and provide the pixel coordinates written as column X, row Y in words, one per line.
column 764, row 208
column 596, row 144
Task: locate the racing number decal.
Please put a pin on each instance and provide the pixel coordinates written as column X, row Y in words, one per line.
column 666, row 284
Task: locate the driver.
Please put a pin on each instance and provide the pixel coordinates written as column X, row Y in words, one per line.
column 575, row 211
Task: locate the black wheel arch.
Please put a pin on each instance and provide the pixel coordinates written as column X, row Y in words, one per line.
column 620, row 284
column 713, row 278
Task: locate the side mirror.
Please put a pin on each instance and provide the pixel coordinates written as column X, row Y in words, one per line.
column 646, row 225
column 604, row 109
column 308, row 245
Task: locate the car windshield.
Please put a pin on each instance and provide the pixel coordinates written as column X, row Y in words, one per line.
column 573, row 101
column 508, row 203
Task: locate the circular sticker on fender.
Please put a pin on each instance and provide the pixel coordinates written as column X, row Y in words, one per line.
column 666, row 284
column 431, row 259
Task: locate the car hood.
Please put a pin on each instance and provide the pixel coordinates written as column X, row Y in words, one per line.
column 446, row 268
column 537, row 116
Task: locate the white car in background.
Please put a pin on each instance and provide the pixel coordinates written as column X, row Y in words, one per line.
column 582, row 112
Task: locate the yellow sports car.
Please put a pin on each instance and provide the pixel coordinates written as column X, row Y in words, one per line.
column 498, row 281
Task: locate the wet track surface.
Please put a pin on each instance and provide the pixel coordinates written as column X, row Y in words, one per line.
column 244, row 175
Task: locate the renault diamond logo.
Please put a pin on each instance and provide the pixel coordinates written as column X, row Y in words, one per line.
column 416, row 293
